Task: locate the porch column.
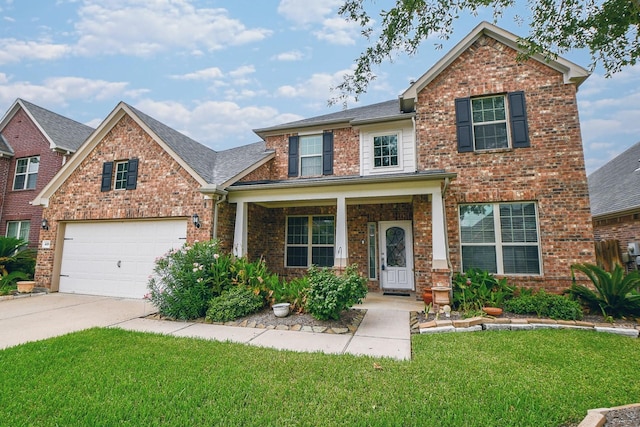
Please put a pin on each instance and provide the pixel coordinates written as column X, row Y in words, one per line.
column 439, row 233
column 240, row 231
column 341, row 254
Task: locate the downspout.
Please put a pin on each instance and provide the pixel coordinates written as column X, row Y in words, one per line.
column 219, row 199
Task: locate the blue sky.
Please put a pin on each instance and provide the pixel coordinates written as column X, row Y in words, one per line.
column 214, row 70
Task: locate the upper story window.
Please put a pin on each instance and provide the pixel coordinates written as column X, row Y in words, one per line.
column 492, row 122
column 26, row 173
column 500, row 238
column 311, row 155
column 385, row 150
column 126, row 176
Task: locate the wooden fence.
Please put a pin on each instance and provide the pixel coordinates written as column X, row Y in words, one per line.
column 608, row 254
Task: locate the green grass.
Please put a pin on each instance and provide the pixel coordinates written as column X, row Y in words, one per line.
column 104, row 377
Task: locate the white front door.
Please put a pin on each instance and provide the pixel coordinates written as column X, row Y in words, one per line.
column 396, row 255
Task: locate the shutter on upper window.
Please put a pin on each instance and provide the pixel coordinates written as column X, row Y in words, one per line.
column 107, row 171
column 293, row 156
column 327, row 153
column 132, row 174
column 464, row 125
column 518, row 120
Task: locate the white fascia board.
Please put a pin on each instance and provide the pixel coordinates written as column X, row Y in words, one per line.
column 330, row 192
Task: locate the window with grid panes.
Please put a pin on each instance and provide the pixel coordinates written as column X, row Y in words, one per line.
column 310, row 241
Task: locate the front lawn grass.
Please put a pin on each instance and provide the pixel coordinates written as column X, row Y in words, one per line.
column 106, row 377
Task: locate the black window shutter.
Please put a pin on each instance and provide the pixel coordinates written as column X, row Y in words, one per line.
column 293, row 156
column 132, row 174
column 518, row 119
column 327, row 153
column 464, row 125
column 107, row 171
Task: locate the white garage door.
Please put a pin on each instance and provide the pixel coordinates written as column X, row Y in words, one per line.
column 115, row 258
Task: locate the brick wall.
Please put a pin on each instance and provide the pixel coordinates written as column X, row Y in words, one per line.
column 551, row 172
column 27, row 141
column 625, row 229
column 164, row 190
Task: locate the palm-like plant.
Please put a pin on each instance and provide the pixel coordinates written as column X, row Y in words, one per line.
column 16, row 263
column 616, row 294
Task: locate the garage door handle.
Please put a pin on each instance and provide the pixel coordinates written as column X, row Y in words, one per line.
column 119, row 264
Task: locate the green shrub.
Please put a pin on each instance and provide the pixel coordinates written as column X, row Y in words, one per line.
column 16, row 263
column 545, row 305
column 477, row 288
column 294, row 292
column 185, row 279
column 330, row 294
column 615, row 295
column 235, row 302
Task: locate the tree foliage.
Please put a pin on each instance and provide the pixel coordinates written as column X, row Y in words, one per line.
column 609, row 29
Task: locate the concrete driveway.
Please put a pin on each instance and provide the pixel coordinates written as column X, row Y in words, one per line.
column 45, row 316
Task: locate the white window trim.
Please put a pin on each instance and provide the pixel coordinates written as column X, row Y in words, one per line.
column 386, row 169
column 309, row 245
column 26, row 174
column 20, row 224
column 372, row 253
column 115, row 174
column 505, row 121
column 498, row 239
column 307, row 156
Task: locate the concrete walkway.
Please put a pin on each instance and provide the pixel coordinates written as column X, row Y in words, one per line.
column 384, row 331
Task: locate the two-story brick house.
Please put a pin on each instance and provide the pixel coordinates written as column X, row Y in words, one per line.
column 34, row 144
column 479, row 163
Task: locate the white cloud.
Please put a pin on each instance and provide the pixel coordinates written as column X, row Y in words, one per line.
column 211, row 73
column 61, row 90
column 13, row 50
column 292, row 55
column 307, row 11
column 338, row 31
column 318, row 86
column 143, row 28
column 242, row 71
column 218, row 124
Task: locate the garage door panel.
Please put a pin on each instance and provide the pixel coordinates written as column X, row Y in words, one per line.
column 116, row 258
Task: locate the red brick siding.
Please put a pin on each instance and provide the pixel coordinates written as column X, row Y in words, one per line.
column 625, row 229
column 164, row 190
column 346, row 153
column 550, row 172
column 27, row 141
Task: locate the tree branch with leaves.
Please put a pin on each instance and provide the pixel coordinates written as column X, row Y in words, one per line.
column 609, row 29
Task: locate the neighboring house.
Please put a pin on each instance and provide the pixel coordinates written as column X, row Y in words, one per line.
column 34, row 144
column 479, row 163
column 614, row 190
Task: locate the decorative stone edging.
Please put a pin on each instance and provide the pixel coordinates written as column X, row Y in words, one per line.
column 350, row 329
column 36, row 292
column 478, row 323
column 598, row 417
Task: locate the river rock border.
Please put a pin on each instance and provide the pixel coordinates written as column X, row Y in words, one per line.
column 474, row 324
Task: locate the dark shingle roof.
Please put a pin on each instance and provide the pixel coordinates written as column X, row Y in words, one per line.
column 615, row 187
column 196, row 155
column 214, row 167
column 65, row 133
column 230, row 163
column 379, row 111
column 5, row 148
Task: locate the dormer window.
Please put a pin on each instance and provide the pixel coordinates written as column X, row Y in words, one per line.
column 385, row 150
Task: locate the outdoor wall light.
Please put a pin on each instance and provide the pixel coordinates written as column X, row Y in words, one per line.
column 196, row 220
column 45, row 224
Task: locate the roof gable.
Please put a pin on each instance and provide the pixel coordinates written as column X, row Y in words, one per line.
column 62, row 133
column 573, row 73
column 615, row 187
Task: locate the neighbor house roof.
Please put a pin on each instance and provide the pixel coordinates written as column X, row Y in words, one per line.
column 214, row 171
column 61, row 132
column 380, row 112
column 615, row 187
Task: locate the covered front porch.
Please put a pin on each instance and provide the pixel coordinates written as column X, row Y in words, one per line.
column 393, row 227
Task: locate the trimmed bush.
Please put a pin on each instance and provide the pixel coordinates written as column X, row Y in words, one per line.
column 545, row 305
column 330, row 294
column 235, row 302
